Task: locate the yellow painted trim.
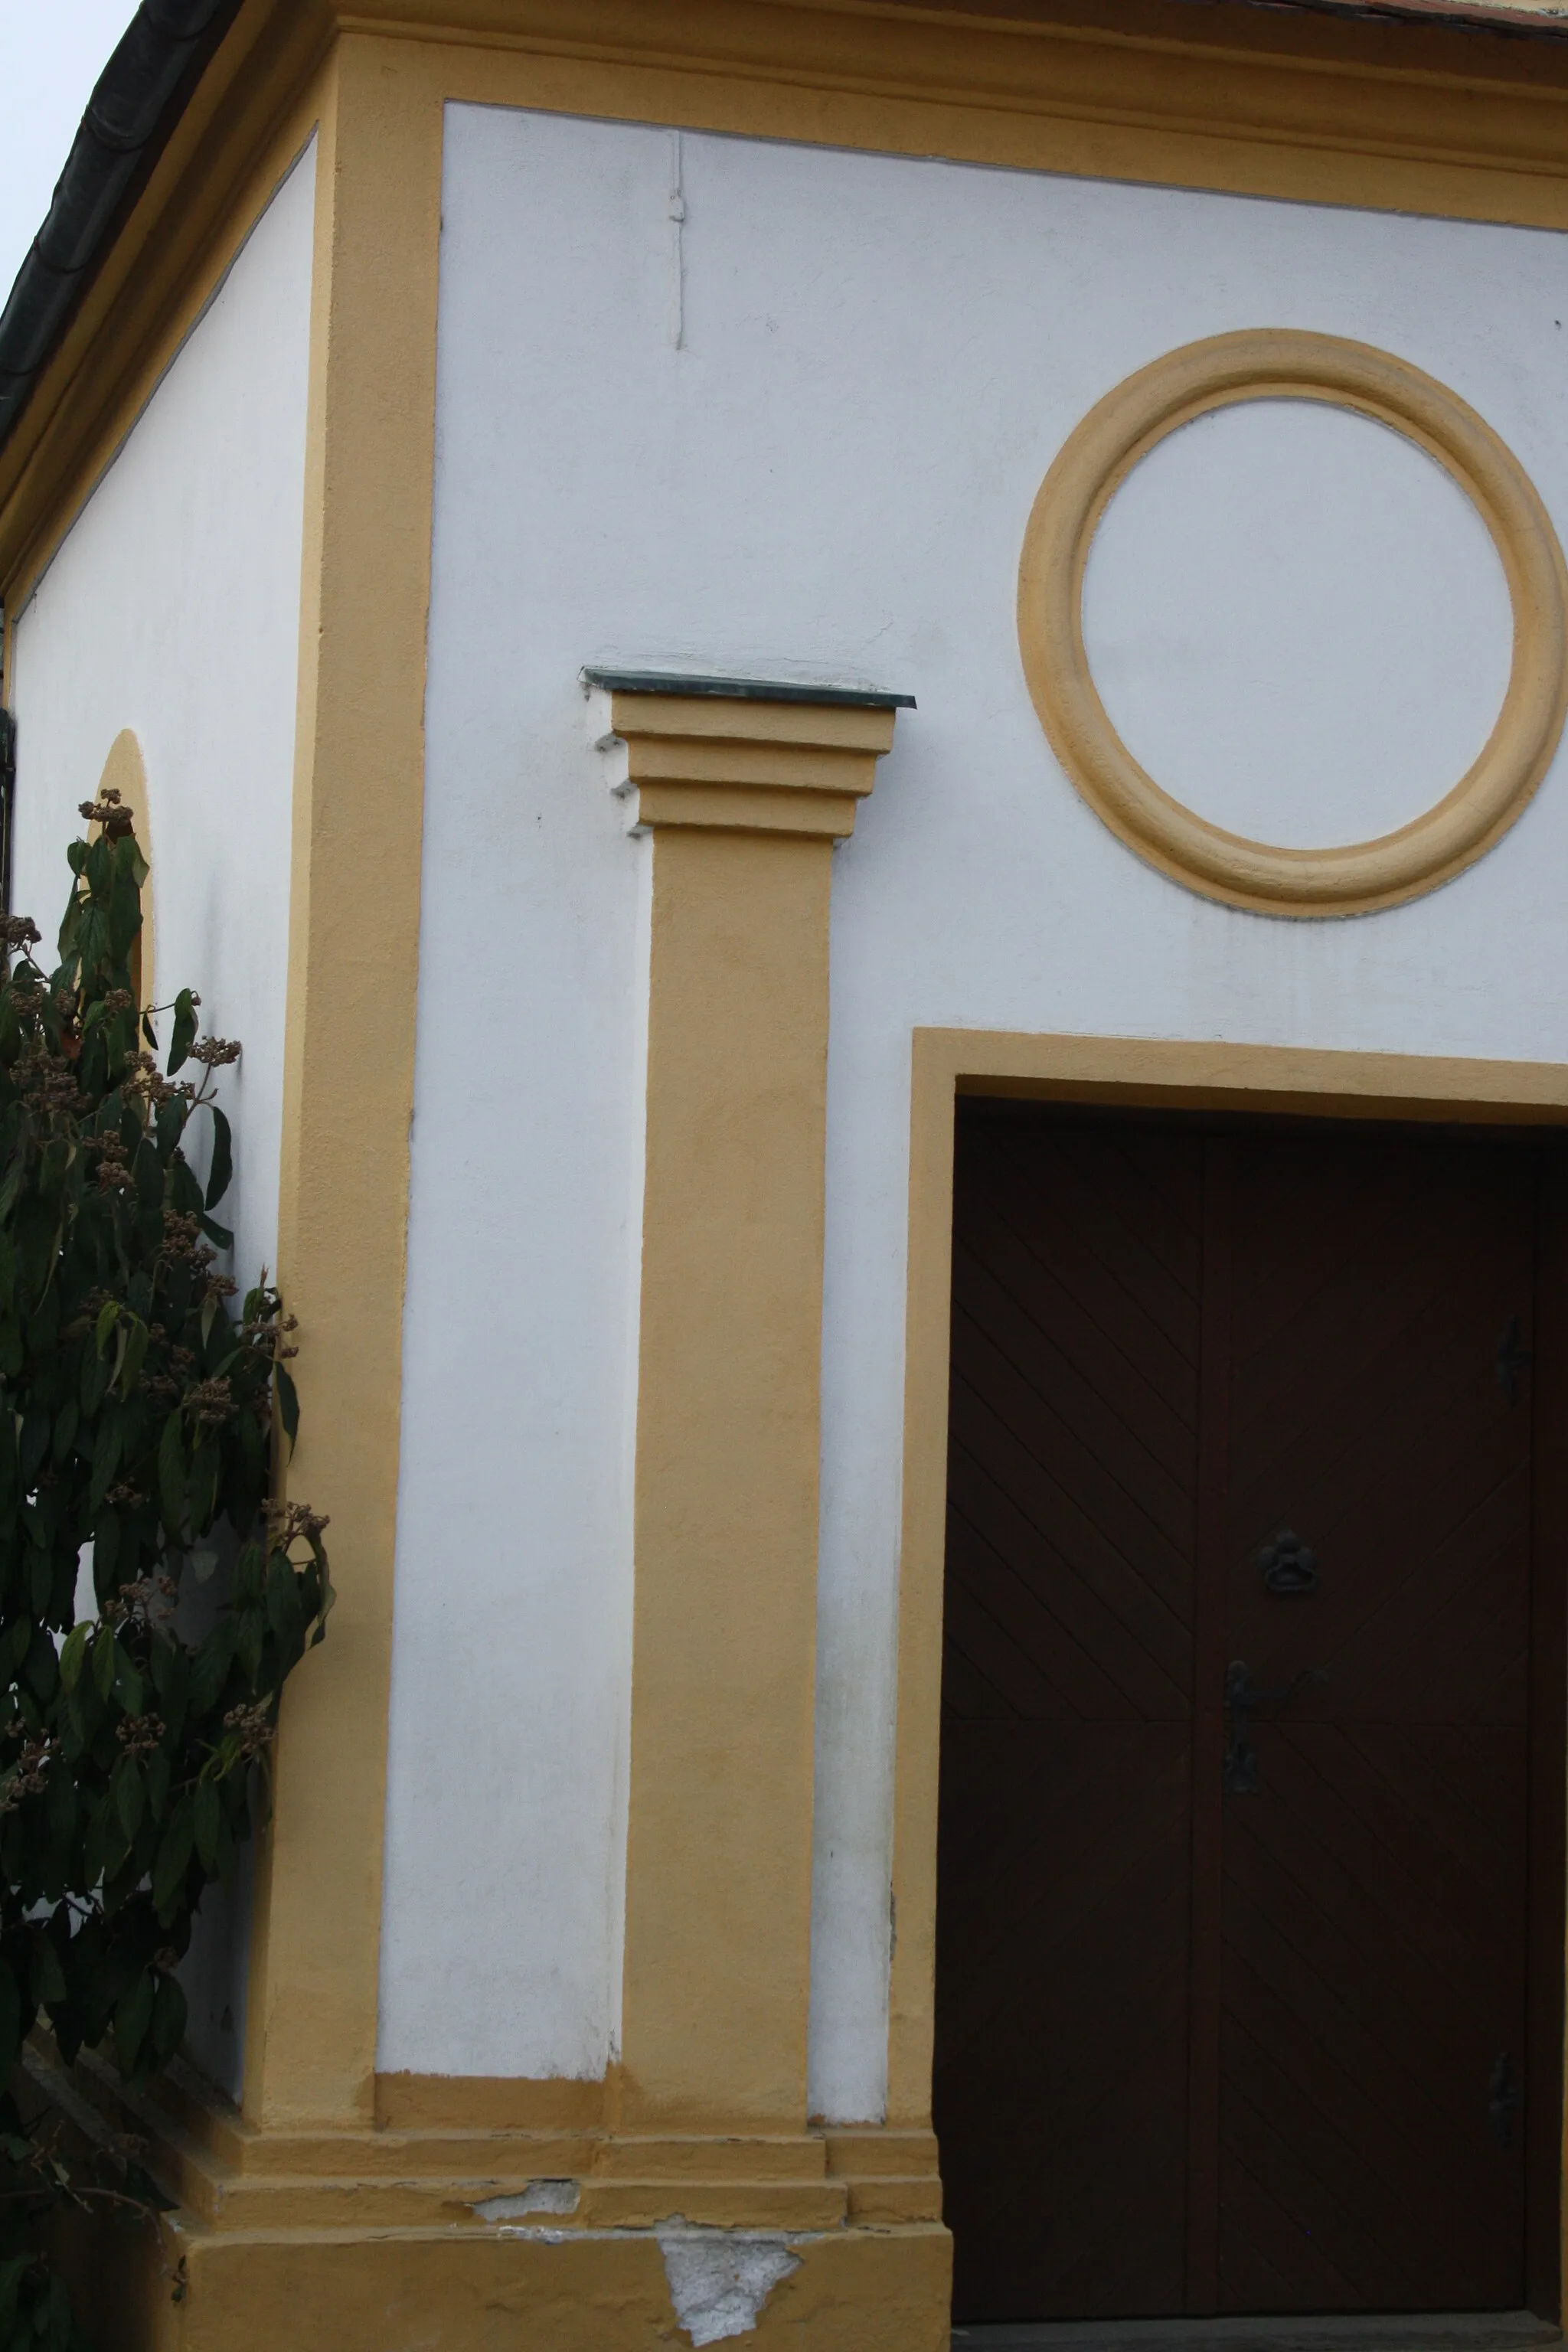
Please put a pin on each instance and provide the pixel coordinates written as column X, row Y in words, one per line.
column 1430, row 119
column 1272, row 364
column 1086, row 101
column 444, row 2128
column 745, row 766
column 488, row 2103
column 717, row 1904
column 1147, row 1073
column 230, row 2181
column 348, row 1060
column 387, row 2241
column 125, row 773
column 878, row 2289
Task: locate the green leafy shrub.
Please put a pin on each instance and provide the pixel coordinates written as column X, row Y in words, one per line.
column 141, row 1419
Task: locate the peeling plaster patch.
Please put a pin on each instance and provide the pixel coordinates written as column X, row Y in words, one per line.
column 539, row 2197
column 720, row 2279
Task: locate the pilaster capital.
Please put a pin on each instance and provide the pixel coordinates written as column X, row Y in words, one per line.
column 743, row 755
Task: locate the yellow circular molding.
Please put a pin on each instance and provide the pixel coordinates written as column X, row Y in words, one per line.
column 1274, row 364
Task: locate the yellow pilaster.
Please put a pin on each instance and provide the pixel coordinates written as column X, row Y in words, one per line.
column 745, row 796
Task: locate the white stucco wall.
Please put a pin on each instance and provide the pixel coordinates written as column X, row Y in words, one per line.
column 810, row 441
column 172, row 609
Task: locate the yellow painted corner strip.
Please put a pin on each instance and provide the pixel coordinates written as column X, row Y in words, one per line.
column 352, row 973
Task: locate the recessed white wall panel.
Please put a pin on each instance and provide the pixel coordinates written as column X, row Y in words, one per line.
column 172, row 608
column 510, row 1660
column 821, row 460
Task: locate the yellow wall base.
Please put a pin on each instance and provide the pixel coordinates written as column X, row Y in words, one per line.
column 437, row 2291
column 379, row 2239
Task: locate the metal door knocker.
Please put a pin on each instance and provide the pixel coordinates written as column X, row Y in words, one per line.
column 1288, row 1566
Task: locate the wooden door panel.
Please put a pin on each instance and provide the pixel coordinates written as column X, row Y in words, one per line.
column 1340, row 1446
column 1079, row 1588
column 1405, row 1564
column 1206, row 2050
column 1012, row 1655
column 1093, row 1313
column 1332, row 2150
column 1044, row 1389
column 1064, row 1844
column 1373, row 1971
column 1362, row 1793
column 1087, row 1894
column 1364, row 1963
column 1299, row 2207
column 1122, row 1797
column 1457, row 1785
column 1038, row 1502
column 1102, row 1213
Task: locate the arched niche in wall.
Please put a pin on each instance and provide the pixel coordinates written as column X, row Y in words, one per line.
column 1269, row 876
column 125, row 773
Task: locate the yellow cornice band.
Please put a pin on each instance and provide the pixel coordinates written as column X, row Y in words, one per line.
column 1274, row 364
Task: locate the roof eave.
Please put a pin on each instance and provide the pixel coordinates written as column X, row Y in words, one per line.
column 135, row 106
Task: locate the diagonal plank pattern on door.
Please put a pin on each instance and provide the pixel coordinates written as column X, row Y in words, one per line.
column 1063, row 1925
column 1235, row 1891
column 1373, row 1969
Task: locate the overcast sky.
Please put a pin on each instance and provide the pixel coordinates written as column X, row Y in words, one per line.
column 51, row 53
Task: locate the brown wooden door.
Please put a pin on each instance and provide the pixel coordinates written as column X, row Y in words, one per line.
column 1249, row 1820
